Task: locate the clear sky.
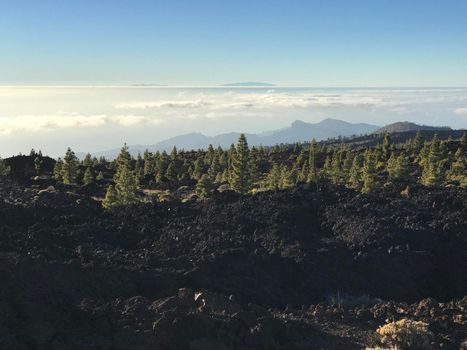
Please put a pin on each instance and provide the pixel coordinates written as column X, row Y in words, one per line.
column 206, row 42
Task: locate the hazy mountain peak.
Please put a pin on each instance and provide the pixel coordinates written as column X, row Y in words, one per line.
column 298, row 131
column 408, row 126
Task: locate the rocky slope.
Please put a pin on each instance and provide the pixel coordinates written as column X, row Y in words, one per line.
column 317, row 268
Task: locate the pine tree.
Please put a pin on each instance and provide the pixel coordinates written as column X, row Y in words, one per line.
column 4, row 170
column 355, row 178
column 286, row 179
column 240, row 181
column 312, row 168
column 161, row 166
column 422, row 157
column 335, row 170
column 253, row 169
column 230, row 156
column 174, row 154
column 326, row 171
column 433, row 172
column 87, row 161
column 111, row 198
column 418, row 142
column 457, row 174
column 386, row 146
column 209, row 155
column 198, row 169
column 204, row 186
column 58, row 171
column 126, row 183
column 170, row 173
column 347, row 164
column 398, row 167
column 88, row 176
column 100, row 176
column 274, row 177
column 69, row 167
column 139, row 167
column 149, row 163
column 369, row 172
column 215, row 167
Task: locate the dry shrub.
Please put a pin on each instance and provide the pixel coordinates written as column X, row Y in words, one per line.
column 406, row 334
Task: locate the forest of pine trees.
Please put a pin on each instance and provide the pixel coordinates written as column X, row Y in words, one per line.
column 243, row 169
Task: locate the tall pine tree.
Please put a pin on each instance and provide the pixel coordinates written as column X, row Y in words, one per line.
column 240, row 177
column 126, row 182
column 69, row 167
column 369, row 172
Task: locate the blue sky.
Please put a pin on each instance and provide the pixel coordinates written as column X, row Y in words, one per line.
column 293, row 42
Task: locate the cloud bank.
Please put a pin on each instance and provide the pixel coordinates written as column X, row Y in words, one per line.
column 97, row 118
column 396, row 99
column 41, row 123
column 461, row 111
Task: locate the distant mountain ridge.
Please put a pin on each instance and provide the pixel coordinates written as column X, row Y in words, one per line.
column 408, row 126
column 298, row 131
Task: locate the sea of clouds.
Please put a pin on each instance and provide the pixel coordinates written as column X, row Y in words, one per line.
column 97, row 118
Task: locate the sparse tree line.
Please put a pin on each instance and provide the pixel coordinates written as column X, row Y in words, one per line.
column 244, row 169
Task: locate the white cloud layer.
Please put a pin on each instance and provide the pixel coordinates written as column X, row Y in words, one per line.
column 272, row 99
column 34, row 123
column 461, row 111
column 98, row 118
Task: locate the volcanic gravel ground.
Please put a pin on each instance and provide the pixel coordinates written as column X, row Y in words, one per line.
column 231, row 272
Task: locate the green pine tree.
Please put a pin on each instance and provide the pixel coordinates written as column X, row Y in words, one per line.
column 369, row 172
column 198, row 169
column 386, row 146
column 312, row 168
column 100, row 176
column 126, row 182
column 274, row 177
column 139, row 167
column 87, row 161
column 335, row 170
column 433, row 172
column 418, row 142
column 215, row 167
column 355, row 178
column 88, row 177
column 253, row 170
column 286, row 179
column 171, row 173
column 398, row 167
column 161, row 166
column 240, row 180
column 457, row 174
column 209, row 155
column 149, row 163
column 58, row 170
column 204, row 186
column 70, row 167
column 111, row 198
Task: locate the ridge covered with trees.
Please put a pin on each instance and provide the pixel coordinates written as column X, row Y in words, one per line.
column 431, row 162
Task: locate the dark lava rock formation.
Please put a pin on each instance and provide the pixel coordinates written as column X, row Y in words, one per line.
column 308, row 268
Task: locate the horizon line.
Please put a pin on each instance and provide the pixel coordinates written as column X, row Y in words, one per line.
column 157, row 86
